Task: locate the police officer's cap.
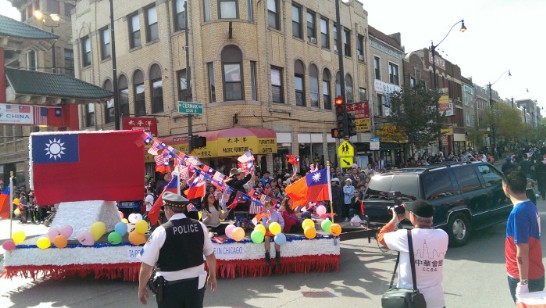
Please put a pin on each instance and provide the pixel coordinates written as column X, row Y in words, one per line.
column 174, row 200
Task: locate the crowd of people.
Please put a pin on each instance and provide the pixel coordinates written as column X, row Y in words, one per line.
column 28, row 210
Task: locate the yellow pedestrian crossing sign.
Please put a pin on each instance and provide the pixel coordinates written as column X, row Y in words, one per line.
column 346, row 162
column 346, row 149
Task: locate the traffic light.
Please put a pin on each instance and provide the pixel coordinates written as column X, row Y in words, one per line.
column 198, row 142
column 351, row 125
column 341, row 123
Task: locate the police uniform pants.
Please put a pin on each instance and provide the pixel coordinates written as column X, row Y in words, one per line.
column 182, row 294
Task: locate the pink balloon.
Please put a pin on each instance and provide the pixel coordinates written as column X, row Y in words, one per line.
column 120, row 214
column 52, row 234
column 86, row 238
column 229, row 230
column 8, row 245
column 323, row 216
column 321, row 209
column 66, row 230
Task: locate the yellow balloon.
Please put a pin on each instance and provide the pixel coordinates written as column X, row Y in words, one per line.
column 238, row 234
column 310, row 232
column 98, row 229
column 275, row 228
column 141, row 226
column 17, row 212
column 16, row 201
column 260, row 227
column 137, row 238
column 125, row 221
column 335, row 229
column 43, row 243
column 307, row 223
column 19, row 237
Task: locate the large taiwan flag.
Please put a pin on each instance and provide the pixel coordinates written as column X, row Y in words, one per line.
column 311, row 188
column 77, row 166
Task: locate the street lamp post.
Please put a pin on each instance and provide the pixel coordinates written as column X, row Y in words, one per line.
column 493, row 128
column 56, row 19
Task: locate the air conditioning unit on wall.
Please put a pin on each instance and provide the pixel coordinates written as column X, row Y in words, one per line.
column 313, row 40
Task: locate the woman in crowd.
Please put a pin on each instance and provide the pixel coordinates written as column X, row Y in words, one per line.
column 212, row 214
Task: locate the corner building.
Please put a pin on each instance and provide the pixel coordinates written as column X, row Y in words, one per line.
column 270, row 66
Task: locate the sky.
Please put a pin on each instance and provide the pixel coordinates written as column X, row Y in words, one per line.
column 501, row 35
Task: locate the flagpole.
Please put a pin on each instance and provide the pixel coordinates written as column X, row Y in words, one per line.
column 330, row 189
column 10, row 203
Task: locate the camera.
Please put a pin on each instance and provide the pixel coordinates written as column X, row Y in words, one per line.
column 396, row 196
column 398, row 209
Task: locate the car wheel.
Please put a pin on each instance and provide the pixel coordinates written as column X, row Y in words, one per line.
column 458, row 229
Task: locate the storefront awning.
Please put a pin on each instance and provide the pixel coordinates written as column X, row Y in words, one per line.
column 229, row 142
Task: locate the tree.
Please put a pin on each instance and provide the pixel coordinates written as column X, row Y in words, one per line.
column 415, row 111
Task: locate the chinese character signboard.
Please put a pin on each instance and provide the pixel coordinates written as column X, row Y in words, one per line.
column 147, row 124
column 361, row 111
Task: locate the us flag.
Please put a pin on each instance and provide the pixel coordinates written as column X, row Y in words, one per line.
column 40, row 115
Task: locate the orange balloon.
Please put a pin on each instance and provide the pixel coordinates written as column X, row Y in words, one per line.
column 136, row 238
column 60, row 241
column 335, row 229
column 238, row 234
column 310, row 232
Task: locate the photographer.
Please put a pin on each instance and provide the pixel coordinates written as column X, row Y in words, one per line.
column 429, row 246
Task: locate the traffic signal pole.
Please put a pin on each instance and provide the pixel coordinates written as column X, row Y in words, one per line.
column 341, row 68
column 188, row 76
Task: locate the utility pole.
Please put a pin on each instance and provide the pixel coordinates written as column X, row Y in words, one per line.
column 117, row 107
column 188, row 76
column 341, row 68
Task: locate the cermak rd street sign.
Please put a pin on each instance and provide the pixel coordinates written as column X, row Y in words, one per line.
column 190, row 107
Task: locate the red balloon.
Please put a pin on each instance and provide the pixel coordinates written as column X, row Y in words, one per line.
column 8, row 245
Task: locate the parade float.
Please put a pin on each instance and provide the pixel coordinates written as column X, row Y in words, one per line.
column 82, row 172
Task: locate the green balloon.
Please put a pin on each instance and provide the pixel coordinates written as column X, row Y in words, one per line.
column 325, row 225
column 114, row 238
column 257, row 236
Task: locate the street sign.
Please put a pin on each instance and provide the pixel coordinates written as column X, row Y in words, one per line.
column 346, row 162
column 345, row 149
column 374, row 144
column 190, row 107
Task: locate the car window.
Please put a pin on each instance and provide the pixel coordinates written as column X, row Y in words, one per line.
column 491, row 176
column 380, row 186
column 467, row 178
column 437, row 184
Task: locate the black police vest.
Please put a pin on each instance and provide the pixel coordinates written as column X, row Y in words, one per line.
column 183, row 247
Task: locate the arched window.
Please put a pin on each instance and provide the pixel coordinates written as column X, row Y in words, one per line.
column 109, row 111
column 232, row 68
column 326, row 89
column 338, row 84
column 138, row 93
column 123, row 92
column 156, row 88
column 349, row 95
column 313, row 85
column 299, row 82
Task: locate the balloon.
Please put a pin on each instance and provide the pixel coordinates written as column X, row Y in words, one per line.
column 134, row 217
column 19, row 237
column 98, row 229
column 257, row 236
column 141, row 226
column 66, row 230
column 275, row 228
column 17, row 212
column 229, row 230
column 321, row 209
column 16, row 201
column 121, row 228
column 326, row 225
column 260, row 227
column 52, row 233
column 8, row 245
column 136, row 238
column 86, row 238
column 60, row 241
column 335, row 229
column 238, row 234
column 310, row 232
column 114, row 238
column 280, row 239
column 307, row 223
column 323, row 216
column 120, row 214
column 43, row 243
column 124, row 220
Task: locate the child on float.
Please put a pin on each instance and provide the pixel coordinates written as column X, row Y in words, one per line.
column 267, row 217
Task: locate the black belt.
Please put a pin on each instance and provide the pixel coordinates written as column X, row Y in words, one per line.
column 170, row 283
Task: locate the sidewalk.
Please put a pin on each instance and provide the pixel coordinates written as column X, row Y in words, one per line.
column 29, row 229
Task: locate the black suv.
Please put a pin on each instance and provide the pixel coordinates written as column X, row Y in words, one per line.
column 465, row 196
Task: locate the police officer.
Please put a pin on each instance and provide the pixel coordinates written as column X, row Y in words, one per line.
column 176, row 249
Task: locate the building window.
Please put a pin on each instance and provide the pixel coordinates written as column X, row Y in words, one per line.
column 134, row 31
column 138, row 93
column 324, row 33
column 296, row 21
column 377, row 67
column 273, row 14
column 311, row 26
column 347, row 42
column 69, row 61
column 53, row 7
column 179, row 15
column 349, row 95
column 123, row 88
column 232, row 58
column 109, row 111
column 313, row 86
column 360, row 47
column 86, row 51
column 229, row 9
column 335, row 38
column 152, row 31
column 31, row 60
column 361, row 94
column 105, row 43
column 250, row 10
column 276, row 85
column 393, row 74
column 206, row 9
column 156, row 87
column 413, row 82
column 299, row 83
column 253, row 80
column 183, row 90
column 90, row 114
column 326, row 93
column 212, row 85
column 379, row 105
